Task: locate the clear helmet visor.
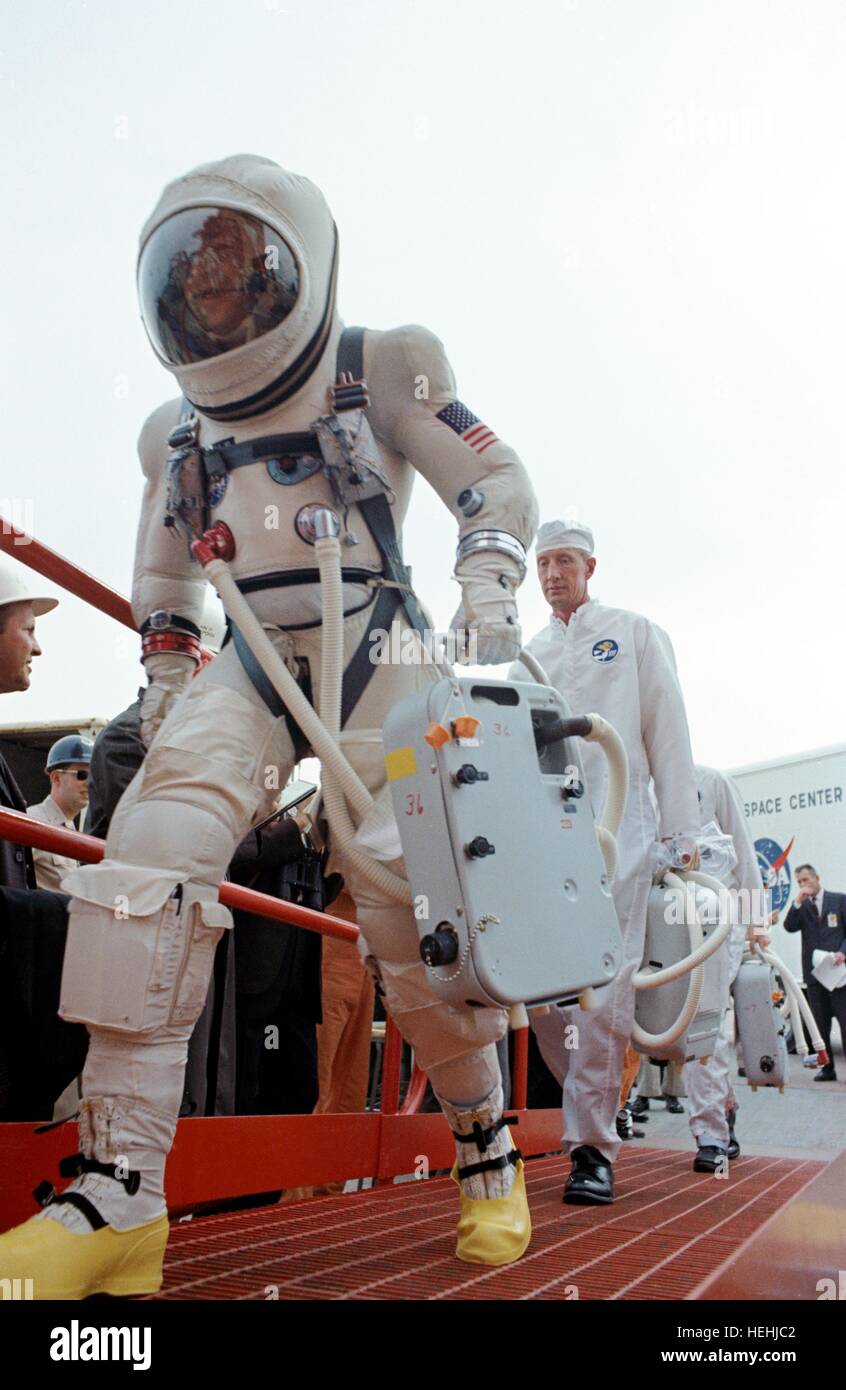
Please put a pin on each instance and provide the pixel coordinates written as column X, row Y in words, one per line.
column 212, row 279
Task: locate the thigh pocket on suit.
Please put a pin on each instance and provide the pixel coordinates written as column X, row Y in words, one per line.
column 138, row 947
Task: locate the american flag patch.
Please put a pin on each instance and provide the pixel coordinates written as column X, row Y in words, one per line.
column 468, row 426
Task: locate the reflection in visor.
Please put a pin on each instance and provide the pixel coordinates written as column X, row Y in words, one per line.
column 210, row 280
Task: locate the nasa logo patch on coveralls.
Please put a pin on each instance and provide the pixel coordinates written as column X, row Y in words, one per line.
column 605, row 650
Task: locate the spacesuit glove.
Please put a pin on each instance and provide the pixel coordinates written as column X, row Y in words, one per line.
column 488, row 611
column 169, row 674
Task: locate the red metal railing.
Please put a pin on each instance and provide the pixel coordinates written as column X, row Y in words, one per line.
column 64, row 572
column 15, row 826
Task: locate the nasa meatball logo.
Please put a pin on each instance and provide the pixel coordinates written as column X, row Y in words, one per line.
column 775, row 871
column 605, row 650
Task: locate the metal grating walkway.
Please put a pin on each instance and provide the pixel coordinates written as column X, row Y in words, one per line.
column 668, row 1229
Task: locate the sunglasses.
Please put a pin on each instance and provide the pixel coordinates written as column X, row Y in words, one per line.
column 80, row 773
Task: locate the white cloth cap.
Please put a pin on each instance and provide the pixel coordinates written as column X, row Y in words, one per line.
column 566, row 534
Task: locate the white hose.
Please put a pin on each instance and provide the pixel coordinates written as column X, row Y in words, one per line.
column 652, row 1043
column 797, row 1001
column 701, row 949
column 609, row 740
column 534, row 667
column 328, row 554
column 652, row 979
column 608, row 845
column 278, row 674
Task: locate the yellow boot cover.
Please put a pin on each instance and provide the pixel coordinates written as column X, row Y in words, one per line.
column 65, row 1265
column 494, row 1231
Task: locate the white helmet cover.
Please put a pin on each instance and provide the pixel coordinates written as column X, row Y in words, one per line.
column 280, row 353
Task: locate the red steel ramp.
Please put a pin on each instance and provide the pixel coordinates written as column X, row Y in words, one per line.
column 668, row 1231
column 798, row 1254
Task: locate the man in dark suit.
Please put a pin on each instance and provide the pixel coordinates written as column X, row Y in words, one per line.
column 821, row 918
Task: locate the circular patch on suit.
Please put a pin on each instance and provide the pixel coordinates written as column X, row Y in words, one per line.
column 217, row 490
column 605, row 650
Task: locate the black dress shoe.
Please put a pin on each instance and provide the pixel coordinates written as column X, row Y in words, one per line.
column 826, row 1074
column 710, row 1158
column 733, row 1147
column 639, row 1107
column 591, row 1180
column 674, row 1106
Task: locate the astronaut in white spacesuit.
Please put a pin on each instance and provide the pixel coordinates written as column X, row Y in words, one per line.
column 620, row 665
column 237, row 279
column 713, row 1104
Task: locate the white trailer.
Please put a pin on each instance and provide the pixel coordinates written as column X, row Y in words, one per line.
column 796, row 809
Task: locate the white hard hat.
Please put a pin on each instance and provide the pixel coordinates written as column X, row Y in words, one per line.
column 568, row 534
column 13, row 590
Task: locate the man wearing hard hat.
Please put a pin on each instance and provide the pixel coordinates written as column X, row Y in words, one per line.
column 39, row 1053
column 67, row 767
column 621, row 666
column 18, row 647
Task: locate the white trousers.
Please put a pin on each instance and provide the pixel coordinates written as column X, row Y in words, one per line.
column 585, row 1051
column 709, row 1086
column 215, row 768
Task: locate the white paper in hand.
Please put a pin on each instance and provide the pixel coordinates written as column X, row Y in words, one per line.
column 827, row 970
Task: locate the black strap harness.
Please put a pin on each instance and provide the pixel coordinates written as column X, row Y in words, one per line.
column 290, row 458
column 482, row 1138
column 75, row 1166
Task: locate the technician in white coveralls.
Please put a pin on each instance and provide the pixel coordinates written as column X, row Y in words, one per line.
column 237, row 278
column 619, row 665
column 713, row 1104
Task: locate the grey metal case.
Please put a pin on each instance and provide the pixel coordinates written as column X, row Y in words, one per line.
column 503, row 860
column 760, row 1026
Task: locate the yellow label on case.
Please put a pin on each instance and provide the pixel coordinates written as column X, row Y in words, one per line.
column 402, row 762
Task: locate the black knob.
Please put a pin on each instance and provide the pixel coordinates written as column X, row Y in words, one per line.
column 479, row 848
column 470, row 501
column 547, row 731
column 467, row 774
column 440, row 947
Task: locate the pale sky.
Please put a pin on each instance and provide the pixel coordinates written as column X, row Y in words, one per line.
column 625, row 220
